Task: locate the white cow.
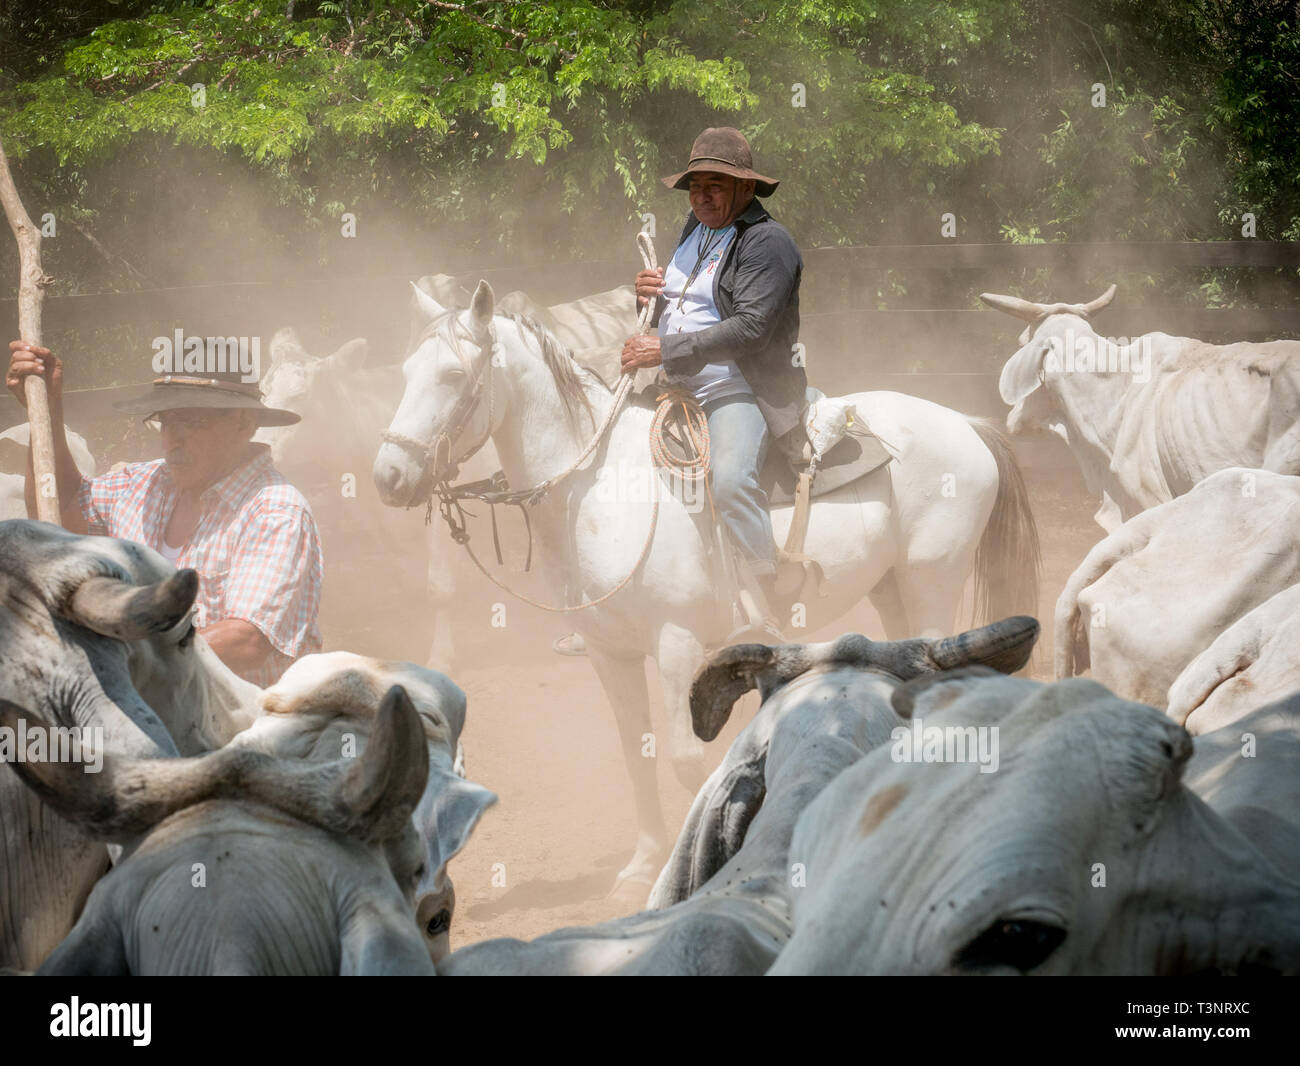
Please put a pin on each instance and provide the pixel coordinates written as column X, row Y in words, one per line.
column 1159, row 590
column 723, row 902
column 325, row 706
column 1148, row 419
column 1097, row 847
column 1255, row 661
column 13, row 466
column 242, row 863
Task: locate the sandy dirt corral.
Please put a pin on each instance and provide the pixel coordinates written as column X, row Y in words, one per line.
column 541, row 735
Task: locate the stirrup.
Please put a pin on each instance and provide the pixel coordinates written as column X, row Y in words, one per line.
column 569, row 644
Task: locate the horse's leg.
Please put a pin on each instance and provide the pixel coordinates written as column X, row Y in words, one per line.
column 623, row 679
column 940, row 553
column 887, row 599
column 930, row 594
column 441, row 588
column 942, row 503
column 680, row 655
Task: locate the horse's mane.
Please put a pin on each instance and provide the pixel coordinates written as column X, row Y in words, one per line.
column 571, row 377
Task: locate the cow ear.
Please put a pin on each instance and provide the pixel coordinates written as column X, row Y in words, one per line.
column 1024, row 371
column 456, row 811
column 1157, row 751
column 286, row 346
column 942, row 688
column 426, row 304
column 725, row 678
column 384, row 786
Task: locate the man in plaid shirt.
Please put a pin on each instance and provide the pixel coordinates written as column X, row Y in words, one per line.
column 213, row 503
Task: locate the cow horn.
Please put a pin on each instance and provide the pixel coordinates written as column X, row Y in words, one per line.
column 386, row 784
column 1099, row 304
column 116, row 608
column 1005, row 646
column 1015, row 306
column 725, row 678
column 130, row 796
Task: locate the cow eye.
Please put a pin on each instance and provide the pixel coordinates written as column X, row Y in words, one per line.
column 188, row 639
column 1016, row 942
column 439, row 923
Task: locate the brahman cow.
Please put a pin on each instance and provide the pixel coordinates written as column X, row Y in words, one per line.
column 1159, row 590
column 726, row 891
column 1255, row 661
column 243, row 863
column 1148, row 419
column 96, row 635
column 324, row 707
column 13, row 466
column 1107, row 842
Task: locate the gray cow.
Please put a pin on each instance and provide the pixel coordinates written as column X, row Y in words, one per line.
column 726, row 891
column 96, row 635
column 1107, row 842
column 242, row 863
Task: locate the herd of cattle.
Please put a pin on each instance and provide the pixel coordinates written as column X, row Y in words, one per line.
column 1143, row 821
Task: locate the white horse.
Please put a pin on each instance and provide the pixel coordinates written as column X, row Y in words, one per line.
column 906, row 535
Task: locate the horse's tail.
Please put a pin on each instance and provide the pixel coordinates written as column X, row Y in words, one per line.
column 1008, row 563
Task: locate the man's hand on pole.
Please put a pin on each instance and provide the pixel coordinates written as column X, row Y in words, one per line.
column 25, row 359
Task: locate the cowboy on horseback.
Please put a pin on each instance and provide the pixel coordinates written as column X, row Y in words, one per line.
column 727, row 312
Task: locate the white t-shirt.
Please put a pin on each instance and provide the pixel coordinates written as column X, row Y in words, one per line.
column 693, row 309
column 169, row 553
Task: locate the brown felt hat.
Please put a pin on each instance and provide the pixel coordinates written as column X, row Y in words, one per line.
column 220, row 390
column 722, row 150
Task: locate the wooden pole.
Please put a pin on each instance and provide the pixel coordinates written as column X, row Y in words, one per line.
column 31, row 295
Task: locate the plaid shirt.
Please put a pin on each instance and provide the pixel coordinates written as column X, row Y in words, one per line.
column 255, row 548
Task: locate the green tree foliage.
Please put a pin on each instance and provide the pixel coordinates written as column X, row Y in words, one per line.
column 493, row 124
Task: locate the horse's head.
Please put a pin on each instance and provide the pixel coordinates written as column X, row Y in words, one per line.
column 446, row 411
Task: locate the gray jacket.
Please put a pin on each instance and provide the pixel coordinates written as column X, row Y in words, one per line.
column 757, row 293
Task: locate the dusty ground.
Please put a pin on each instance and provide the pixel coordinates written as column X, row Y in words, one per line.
column 541, row 734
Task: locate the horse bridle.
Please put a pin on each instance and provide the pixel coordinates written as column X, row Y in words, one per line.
column 427, row 453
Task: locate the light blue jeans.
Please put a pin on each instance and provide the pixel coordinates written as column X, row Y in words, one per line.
column 738, row 441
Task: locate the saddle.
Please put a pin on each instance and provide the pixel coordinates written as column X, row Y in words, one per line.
column 856, row 455
column 787, row 480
